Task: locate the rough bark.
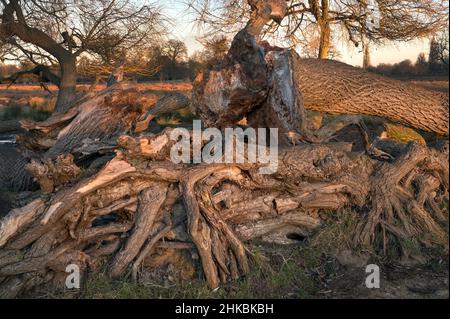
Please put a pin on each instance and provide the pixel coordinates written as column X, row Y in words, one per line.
column 14, row 23
column 51, row 174
column 13, row 176
column 283, row 108
column 107, row 115
column 246, row 81
column 337, row 88
column 225, row 94
column 366, row 54
column 324, row 44
column 88, row 129
column 67, row 85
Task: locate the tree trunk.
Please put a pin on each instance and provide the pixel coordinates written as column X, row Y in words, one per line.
column 67, row 86
column 366, row 54
column 324, row 45
column 338, row 88
column 240, row 86
column 141, row 205
column 323, row 19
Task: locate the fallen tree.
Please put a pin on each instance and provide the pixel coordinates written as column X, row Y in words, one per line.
column 142, row 206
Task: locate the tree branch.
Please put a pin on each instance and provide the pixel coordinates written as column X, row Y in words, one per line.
column 42, row 71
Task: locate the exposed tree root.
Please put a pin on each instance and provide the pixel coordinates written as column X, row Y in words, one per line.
column 407, row 201
column 119, row 216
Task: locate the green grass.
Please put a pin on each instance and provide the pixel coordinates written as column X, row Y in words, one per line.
column 277, row 272
column 337, row 235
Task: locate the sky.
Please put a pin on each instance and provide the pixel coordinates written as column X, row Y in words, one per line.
column 185, row 30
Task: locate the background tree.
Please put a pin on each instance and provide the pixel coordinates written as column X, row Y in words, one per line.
column 215, row 48
column 58, row 32
column 438, row 56
column 176, row 52
column 421, row 64
column 170, row 58
column 310, row 45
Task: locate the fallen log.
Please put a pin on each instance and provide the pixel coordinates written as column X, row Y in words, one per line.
column 141, row 205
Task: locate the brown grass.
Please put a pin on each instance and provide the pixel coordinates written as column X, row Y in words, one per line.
column 157, row 86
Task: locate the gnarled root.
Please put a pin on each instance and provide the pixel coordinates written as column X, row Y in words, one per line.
column 140, row 205
column 407, row 199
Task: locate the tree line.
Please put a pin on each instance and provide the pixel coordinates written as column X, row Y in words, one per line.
column 167, row 61
column 435, row 64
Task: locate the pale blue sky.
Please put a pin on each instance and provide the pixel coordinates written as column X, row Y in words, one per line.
column 185, row 30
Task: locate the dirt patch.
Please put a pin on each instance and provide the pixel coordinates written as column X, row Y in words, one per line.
column 395, row 283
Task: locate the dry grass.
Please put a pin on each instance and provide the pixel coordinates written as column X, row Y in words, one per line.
column 42, row 104
column 37, row 89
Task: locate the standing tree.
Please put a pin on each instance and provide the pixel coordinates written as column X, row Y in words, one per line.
column 438, row 56
column 168, row 57
column 56, row 32
column 176, row 52
column 377, row 20
column 216, row 48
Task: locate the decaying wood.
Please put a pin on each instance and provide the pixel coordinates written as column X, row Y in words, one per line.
column 150, row 202
column 88, row 129
column 170, row 102
column 53, row 173
column 107, row 115
column 283, row 108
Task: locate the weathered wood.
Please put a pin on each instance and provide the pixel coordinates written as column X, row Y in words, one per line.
column 256, row 81
column 225, row 94
column 13, row 175
column 149, row 205
column 283, row 108
column 51, row 174
column 19, row 218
